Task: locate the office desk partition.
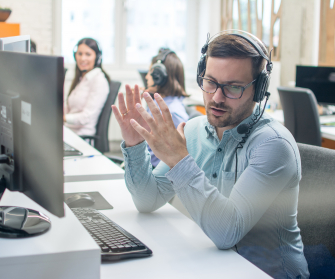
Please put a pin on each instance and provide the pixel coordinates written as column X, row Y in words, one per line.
column 180, row 248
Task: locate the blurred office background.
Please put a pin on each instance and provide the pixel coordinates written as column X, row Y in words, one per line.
column 130, row 32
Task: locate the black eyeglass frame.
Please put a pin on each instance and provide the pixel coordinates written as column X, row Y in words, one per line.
column 221, row 85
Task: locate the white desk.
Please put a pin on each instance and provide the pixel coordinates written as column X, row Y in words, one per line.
column 66, row 251
column 92, row 165
column 180, row 248
column 77, row 142
column 326, row 132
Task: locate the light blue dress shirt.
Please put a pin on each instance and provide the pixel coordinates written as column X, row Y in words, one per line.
column 257, row 216
column 178, row 114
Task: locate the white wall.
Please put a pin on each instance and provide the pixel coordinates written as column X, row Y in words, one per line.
column 35, row 18
column 300, row 36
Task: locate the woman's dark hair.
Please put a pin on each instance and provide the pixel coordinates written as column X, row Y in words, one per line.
column 175, row 85
column 229, row 45
column 91, row 43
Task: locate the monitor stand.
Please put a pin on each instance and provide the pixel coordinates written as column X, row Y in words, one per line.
column 20, row 222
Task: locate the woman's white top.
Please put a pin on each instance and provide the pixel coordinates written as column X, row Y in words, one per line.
column 83, row 106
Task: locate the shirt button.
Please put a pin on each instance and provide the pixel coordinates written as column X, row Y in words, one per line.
column 219, row 149
column 214, row 175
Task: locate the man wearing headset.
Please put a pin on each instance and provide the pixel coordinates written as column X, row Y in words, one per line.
column 235, row 170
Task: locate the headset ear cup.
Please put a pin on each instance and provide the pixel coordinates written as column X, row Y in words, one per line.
column 262, row 86
column 201, row 68
column 74, row 52
column 159, row 74
column 98, row 60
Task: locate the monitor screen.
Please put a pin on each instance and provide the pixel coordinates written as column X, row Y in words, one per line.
column 31, row 127
column 321, row 80
column 17, row 43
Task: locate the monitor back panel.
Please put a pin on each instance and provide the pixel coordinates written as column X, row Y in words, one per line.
column 37, row 80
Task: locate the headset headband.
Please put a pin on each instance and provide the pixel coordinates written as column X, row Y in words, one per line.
column 162, row 56
column 252, row 39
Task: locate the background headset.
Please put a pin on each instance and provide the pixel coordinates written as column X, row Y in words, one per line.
column 98, row 59
column 261, row 86
column 158, row 70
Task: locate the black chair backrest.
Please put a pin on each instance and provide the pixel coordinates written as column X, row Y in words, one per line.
column 192, row 112
column 101, row 142
column 143, row 73
column 301, row 114
column 316, row 209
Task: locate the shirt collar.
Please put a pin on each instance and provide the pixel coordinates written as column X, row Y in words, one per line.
column 210, row 129
column 92, row 73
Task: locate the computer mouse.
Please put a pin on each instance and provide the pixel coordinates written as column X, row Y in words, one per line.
column 79, row 200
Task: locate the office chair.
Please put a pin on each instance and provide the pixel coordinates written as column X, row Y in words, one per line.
column 192, row 112
column 301, row 116
column 316, row 207
column 100, row 139
column 143, row 73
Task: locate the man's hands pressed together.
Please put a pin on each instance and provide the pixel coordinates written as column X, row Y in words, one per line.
column 167, row 142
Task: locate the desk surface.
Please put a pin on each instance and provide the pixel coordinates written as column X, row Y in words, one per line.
column 77, row 142
column 326, row 132
column 92, row 165
column 180, row 248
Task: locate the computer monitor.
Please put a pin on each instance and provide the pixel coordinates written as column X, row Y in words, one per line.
column 31, row 131
column 321, row 80
column 17, row 43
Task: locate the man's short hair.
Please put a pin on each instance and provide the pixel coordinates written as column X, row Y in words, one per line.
column 231, row 46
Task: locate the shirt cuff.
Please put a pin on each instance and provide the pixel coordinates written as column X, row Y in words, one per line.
column 135, row 152
column 182, row 173
column 70, row 119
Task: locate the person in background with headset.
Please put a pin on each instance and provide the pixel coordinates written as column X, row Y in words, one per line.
column 89, row 89
column 166, row 77
column 236, row 171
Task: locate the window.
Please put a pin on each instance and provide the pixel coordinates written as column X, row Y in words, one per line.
column 153, row 24
column 87, row 18
column 129, row 32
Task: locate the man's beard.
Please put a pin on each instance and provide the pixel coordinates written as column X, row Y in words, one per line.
column 231, row 118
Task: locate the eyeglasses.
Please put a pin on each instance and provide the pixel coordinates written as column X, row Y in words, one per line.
column 230, row 91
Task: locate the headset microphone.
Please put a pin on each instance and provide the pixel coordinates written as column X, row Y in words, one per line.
column 243, row 128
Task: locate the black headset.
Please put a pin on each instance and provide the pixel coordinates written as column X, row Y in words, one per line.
column 158, row 70
column 98, row 59
column 263, row 79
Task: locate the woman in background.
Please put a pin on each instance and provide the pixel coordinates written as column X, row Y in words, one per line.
column 89, row 89
column 166, row 77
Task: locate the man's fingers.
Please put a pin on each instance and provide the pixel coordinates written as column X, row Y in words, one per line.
column 147, row 117
column 122, row 104
column 117, row 114
column 139, row 129
column 129, row 97
column 180, row 129
column 137, row 95
column 153, row 107
column 164, row 109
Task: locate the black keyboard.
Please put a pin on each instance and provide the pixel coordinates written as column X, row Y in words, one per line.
column 115, row 243
column 70, row 151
